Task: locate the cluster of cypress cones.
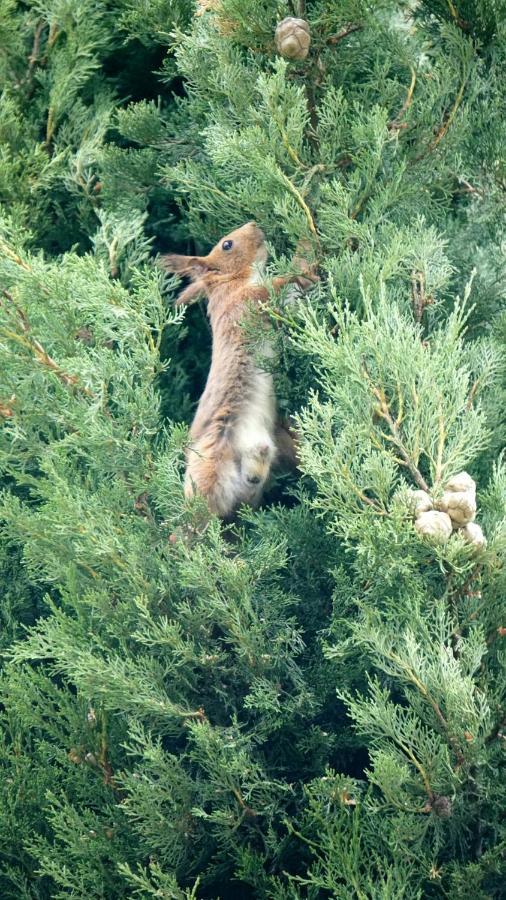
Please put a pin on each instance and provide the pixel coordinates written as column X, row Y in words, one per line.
column 453, row 511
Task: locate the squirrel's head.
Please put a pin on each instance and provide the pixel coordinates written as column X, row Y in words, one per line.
column 233, row 257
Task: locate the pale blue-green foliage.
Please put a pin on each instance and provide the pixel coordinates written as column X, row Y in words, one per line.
column 171, row 709
column 349, row 856
column 338, row 158
column 70, row 321
column 155, row 882
column 393, row 409
column 79, row 37
column 253, row 160
column 446, row 712
column 155, row 803
column 121, row 242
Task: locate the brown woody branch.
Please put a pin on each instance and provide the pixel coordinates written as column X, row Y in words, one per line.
column 419, row 297
column 348, row 29
column 397, row 123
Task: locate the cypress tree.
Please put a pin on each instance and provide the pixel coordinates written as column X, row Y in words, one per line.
column 308, row 702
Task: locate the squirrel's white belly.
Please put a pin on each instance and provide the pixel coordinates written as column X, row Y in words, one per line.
column 258, row 415
column 254, row 432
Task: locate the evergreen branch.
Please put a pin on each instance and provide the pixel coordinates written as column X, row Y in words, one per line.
column 54, row 33
column 302, row 837
column 345, row 472
column 416, row 762
column 10, row 254
column 87, row 568
column 419, row 297
column 300, row 200
column 21, row 315
column 447, row 122
column 424, row 691
column 453, row 11
column 38, row 351
column 396, row 124
column 348, row 29
column 469, row 188
column 455, row 595
column 278, row 317
column 473, row 392
column 366, row 193
column 453, row 112
column 33, row 59
column 247, row 811
column 440, row 447
column 419, row 810
column 103, row 757
column 50, row 125
column 319, row 167
column 400, row 402
column 383, row 411
column 285, row 139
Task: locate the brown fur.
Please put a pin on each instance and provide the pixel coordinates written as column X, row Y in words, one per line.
column 235, row 436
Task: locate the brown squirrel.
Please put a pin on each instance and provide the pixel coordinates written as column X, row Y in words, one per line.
column 236, row 435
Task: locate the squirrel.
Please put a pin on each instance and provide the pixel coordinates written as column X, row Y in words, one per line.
column 235, row 436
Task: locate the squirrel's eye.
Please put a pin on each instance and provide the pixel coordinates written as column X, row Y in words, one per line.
column 227, row 245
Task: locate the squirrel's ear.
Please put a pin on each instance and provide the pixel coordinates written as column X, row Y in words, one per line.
column 191, row 266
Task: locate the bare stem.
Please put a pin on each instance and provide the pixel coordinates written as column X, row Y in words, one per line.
column 348, row 29
column 397, row 122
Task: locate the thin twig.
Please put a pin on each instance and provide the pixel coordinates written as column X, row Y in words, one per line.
column 397, row 122
column 453, row 11
column 383, row 411
column 36, row 348
column 302, row 203
column 348, row 29
column 433, row 703
column 469, row 188
column 446, row 124
column 472, row 393
column 284, row 137
column 23, row 321
column 33, row 59
column 440, row 448
column 418, row 294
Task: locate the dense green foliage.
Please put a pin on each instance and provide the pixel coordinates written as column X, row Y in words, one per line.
column 310, row 703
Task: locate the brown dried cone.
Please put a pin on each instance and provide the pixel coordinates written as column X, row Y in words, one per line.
column 461, row 483
column 473, row 534
column 435, row 525
column 292, row 38
column 421, row 502
column 459, row 499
